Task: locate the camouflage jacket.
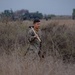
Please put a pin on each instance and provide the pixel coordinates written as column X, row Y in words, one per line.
column 34, row 42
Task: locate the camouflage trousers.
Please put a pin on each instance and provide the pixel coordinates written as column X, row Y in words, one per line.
column 33, row 54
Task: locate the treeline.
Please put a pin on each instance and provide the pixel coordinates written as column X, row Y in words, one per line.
column 23, row 15
column 73, row 14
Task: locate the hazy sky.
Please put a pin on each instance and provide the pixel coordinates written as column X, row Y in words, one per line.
column 58, row 7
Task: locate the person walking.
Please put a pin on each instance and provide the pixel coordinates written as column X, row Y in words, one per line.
column 34, row 38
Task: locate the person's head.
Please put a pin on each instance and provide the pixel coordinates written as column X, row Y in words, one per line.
column 36, row 23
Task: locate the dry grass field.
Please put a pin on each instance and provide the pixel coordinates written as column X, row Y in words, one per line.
column 58, row 46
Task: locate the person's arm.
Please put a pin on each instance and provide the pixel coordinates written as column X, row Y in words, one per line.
column 31, row 36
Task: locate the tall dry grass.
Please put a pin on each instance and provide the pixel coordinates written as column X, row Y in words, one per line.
column 17, row 65
column 58, row 41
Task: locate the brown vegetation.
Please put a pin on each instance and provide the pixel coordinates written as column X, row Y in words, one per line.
column 58, row 44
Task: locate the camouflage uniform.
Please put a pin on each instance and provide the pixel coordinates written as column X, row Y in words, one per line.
column 35, row 45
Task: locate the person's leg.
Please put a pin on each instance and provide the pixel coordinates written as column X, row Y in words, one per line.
column 41, row 55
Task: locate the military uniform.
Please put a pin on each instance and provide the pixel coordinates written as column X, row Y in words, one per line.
column 34, row 44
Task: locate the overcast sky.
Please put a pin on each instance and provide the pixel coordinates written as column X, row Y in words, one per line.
column 58, row 7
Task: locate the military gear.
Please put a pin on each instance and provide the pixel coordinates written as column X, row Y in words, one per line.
column 35, row 45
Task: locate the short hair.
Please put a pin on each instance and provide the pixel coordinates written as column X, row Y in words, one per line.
column 36, row 20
